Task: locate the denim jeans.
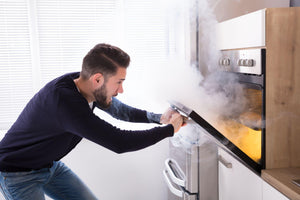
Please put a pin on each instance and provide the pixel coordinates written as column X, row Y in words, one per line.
column 58, row 182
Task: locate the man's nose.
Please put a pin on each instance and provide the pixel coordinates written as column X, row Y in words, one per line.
column 120, row 89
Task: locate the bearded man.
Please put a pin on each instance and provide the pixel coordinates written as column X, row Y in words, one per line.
column 57, row 118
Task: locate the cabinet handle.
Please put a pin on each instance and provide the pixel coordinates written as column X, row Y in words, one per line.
column 224, row 162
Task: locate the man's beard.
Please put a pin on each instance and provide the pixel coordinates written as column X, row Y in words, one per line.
column 101, row 97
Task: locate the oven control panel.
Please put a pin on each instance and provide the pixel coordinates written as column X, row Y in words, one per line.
column 246, row 61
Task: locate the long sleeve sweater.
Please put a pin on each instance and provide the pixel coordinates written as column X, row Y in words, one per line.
column 57, row 118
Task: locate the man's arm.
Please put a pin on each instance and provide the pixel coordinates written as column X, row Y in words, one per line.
column 77, row 118
column 124, row 112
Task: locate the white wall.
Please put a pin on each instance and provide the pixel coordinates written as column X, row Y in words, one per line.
column 129, row 176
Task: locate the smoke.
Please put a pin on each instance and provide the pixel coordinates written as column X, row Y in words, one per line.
column 214, row 96
column 201, row 86
column 191, row 135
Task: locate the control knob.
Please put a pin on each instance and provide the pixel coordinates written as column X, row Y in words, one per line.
column 224, row 62
column 245, row 62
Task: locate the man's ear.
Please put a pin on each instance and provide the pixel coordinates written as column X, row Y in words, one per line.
column 97, row 80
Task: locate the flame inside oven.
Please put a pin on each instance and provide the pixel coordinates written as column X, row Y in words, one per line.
column 245, row 138
column 245, row 129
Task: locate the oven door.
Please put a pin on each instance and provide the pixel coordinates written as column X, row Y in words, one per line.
column 216, row 135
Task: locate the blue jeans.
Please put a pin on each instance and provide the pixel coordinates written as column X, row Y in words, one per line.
column 58, row 182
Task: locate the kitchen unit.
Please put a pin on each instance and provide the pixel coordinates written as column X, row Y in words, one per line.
column 273, row 94
column 277, row 30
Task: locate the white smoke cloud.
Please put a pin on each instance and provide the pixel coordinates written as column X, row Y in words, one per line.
column 208, row 90
column 202, row 86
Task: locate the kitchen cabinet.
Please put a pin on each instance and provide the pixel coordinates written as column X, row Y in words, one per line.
column 246, row 31
column 236, row 181
column 282, row 88
column 270, row 193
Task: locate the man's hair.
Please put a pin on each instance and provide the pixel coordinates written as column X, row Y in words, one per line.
column 104, row 59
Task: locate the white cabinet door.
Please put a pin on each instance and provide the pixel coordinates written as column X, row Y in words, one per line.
column 270, row 193
column 242, row 32
column 236, row 181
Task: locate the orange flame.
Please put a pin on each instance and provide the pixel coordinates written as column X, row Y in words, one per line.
column 245, row 138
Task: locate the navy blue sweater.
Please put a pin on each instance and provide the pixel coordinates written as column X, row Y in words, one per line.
column 58, row 117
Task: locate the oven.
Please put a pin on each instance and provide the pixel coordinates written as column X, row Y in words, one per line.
column 242, row 132
column 245, row 129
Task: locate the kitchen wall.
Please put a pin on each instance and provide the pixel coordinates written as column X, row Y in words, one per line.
column 295, row 3
column 227, row 9
column 129, row 176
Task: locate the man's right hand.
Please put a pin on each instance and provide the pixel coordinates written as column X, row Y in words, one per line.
column 177, row 121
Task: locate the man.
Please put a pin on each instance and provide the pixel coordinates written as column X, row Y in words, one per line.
column 60, row 115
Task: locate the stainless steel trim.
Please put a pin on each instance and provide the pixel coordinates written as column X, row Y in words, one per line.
column 247, row 61
column 224, row 162
column 183, row 110
column 175, row 191
column 178, row 180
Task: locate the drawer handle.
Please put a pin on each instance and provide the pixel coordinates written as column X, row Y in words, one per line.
column 224, row 162
column 175, row 191
column 180, row 179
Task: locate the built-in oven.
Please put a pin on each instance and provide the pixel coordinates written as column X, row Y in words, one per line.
column 245, row 129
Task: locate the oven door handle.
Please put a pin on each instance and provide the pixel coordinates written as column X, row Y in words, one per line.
column 175, row 191
column 178, row 180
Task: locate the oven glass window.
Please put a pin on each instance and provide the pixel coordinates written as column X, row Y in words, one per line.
column 245, row 129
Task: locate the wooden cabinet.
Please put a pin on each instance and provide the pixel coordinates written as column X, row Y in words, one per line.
column 282, row 87
column 236, row 181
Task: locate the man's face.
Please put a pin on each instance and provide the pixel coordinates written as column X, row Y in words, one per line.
column 111, row 88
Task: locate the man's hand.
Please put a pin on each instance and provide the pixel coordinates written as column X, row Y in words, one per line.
column 171, row 116
column 166, row 117
column 177, row 121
